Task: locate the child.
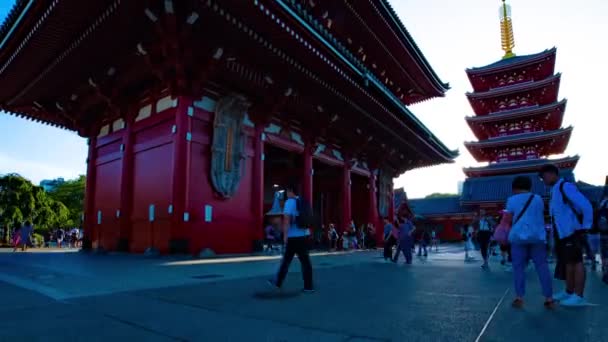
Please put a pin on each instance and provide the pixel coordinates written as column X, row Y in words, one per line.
column 468, row 245
column 16, row 237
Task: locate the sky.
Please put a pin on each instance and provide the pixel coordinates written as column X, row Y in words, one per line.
column 453, row 35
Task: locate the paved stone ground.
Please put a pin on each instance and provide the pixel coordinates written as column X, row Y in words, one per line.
column 77, row 297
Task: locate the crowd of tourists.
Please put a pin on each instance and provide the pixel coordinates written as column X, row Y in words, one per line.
column 326, row 238
column 577, row 232
column 23, row 238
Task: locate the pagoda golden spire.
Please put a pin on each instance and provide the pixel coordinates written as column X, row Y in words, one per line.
column 506, row 30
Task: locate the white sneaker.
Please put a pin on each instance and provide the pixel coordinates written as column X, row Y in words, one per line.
column 561, row 296
column 574, row 300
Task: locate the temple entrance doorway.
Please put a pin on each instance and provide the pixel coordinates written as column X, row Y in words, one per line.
column 280, row 168
column 360, row 199
column 326, row 187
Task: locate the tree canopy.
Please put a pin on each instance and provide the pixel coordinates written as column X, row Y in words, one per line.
column 21, row 201
column 440, row 195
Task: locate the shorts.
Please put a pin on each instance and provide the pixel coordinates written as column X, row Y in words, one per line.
column 568, row 251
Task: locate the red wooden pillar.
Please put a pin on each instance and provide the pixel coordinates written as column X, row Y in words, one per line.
column 181, row 167
column 373, row 216
column 346, row 196
column 90, row 216
column 391, row 203
column 126, row 185
column 307, row 175
column 258, row 182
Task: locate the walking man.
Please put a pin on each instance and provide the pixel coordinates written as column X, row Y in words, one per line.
column 296, row 240
column 484, row 235
column 406, row 240
column 389, row 239
column 572, row 216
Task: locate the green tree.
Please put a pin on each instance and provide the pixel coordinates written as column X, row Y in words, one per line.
column 440, row 195
column 20, row 200
column 71, row 194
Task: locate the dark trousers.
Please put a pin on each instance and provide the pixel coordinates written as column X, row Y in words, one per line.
column 296, row 246
column 484, row 242
column 405, row 247
column 388, row 247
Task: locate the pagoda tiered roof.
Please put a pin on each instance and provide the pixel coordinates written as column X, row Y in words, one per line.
column 520, row 166
column 514, row 62
column 535, row 66
column 551, row 114
column 549, row 142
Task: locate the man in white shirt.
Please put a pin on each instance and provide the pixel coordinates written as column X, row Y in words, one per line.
column 528, row 239
column 296, row 243
column 572, row 216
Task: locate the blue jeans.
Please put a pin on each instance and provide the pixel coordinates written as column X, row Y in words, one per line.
column 521, row 254
column 405, row 247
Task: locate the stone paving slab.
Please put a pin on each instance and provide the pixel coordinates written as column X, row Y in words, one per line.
column 359, row 298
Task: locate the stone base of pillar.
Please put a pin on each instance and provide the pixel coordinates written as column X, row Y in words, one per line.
column 100, row 251
column 151, row 252
column 206, row 253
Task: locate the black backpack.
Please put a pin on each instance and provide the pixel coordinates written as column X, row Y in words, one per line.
column 565, row 199
column 306, row 217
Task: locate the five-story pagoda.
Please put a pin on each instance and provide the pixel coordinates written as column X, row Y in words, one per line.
column 518, row 121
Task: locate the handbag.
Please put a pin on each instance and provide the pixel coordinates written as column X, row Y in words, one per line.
column 501, row 234
column 517, row 231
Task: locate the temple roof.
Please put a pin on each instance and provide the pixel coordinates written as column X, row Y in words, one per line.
column 511, row 167
column 498, row 188
column 513, row 62
column 107, row 51
column 519, row 87
column 13, row 16
column 437, row 206
column 406, row 37
column 517, row 113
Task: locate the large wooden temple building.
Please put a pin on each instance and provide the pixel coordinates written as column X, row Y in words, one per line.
column 196, row 111
column 518, row 123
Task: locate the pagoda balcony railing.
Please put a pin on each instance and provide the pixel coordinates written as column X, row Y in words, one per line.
column 516, row 133
column 512, row 84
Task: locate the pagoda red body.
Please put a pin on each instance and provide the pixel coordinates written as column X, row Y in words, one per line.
column 195, row 110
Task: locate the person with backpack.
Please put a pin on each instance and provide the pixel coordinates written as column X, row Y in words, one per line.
column 297, row 221
column 528, row 240
column 572, row 216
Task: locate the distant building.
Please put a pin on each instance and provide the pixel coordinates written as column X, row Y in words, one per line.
column 51, row 184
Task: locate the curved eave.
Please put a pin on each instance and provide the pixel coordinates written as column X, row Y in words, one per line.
column 500, row 65
column 425, row 135
column 402, row 32
column 520, row 138
column 13, row 19
column 324, row 37
column 518, row 113
column 516, row 88
column 517, row 167
column 32, row 117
